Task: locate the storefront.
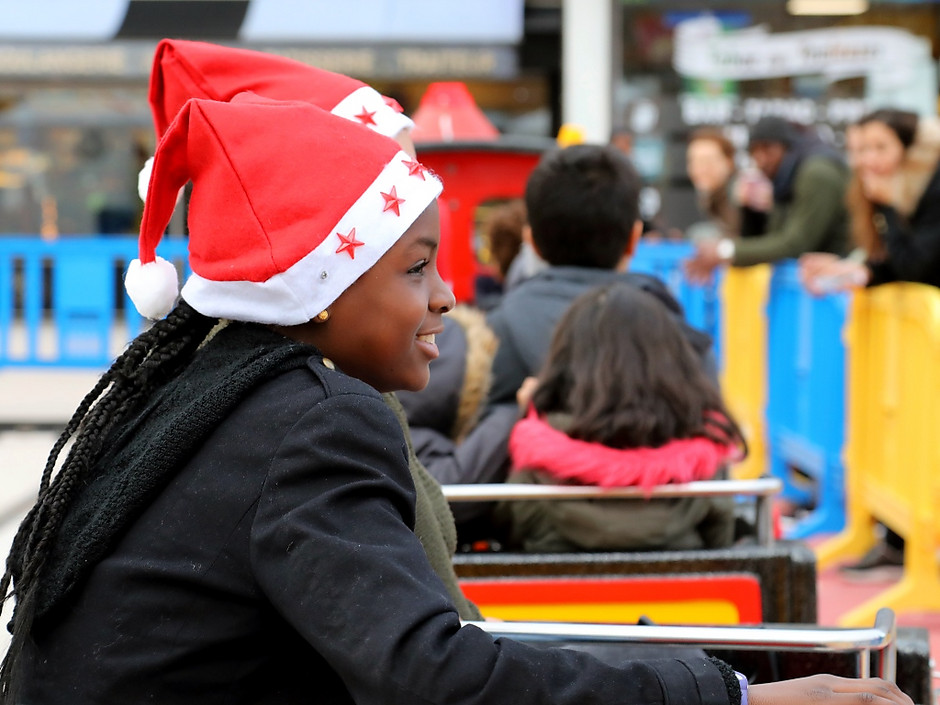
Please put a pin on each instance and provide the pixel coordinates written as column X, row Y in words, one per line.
column 683, row 67
column 75, row 125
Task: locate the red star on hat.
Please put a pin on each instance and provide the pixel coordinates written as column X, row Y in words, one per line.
column 392, row 201
column 415, row 168
column 366, row 117
column 349, row 243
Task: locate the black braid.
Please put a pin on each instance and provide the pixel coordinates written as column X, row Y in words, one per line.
column 152, row 358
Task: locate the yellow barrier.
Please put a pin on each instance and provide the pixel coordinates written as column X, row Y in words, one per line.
column 892, row 454
column 744, row 292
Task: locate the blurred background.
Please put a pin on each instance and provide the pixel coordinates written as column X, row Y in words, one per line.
column 75, row 126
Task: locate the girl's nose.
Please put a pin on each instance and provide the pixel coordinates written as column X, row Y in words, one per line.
column 442, row 298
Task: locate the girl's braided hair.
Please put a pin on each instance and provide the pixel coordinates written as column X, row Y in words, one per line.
column 151, row 359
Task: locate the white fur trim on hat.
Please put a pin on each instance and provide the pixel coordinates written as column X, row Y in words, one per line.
column 367, row 106
column 153, row 287
column 311, row 284
column 143, row 179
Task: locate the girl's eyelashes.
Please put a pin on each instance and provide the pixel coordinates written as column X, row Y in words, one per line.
column 419, row 267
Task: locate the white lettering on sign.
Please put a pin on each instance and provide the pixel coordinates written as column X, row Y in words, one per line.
column 729, row 110
column 704, row 50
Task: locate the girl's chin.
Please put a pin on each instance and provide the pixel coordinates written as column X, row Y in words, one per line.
column 414, row 382
column 416, row 385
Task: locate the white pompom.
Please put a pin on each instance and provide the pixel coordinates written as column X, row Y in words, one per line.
column 143, row 179
column 153, row 287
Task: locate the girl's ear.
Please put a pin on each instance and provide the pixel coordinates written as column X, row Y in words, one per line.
column 634, row 237
column 527, row 239
column 628, row 251
column 527, row 235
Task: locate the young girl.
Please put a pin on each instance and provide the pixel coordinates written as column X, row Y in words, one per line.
column 233, row 522
column 735, row 203
column 896, row 216
column 187, row 69
column 622, row 400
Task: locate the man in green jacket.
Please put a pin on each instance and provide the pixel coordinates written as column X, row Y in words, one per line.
column 809, row 180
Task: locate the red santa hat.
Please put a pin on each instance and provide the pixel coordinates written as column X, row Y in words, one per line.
column 290, row 205
column 187, row 69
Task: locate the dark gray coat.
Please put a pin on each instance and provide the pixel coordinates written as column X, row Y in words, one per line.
column 525, row 320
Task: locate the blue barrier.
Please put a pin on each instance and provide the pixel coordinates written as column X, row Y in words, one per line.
column 701, row 304
column 806, row 399
column 61, row 302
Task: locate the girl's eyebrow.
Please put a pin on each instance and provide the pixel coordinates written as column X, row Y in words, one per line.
column 428, row 242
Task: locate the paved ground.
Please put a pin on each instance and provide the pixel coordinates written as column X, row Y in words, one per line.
column 33, row 405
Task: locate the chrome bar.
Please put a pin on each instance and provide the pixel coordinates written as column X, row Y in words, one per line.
column 885, row 622
column 764, row 519
column 485, row 492
column 762, row 489
column 775, row 637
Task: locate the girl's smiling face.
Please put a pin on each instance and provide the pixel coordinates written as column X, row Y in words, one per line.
column 882, row 151
column 381, row 329
column 708, row 167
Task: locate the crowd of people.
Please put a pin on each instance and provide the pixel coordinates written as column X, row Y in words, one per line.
column 243, row 510
column 867, row 217
column 852, row 219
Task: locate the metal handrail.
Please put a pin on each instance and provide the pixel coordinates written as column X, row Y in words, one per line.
column 864, row 641
column 762, row 489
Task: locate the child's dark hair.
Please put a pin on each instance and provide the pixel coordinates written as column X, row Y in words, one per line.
column 152, row 358
column 582, row 203
column 504, row 228
column 620, row 366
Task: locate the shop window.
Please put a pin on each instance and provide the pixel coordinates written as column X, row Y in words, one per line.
column 69, row 160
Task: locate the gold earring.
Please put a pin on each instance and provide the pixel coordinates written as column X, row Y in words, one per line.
column 323, row 316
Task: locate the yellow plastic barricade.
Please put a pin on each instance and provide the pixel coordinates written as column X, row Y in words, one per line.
column 892, row 453
column 744, row 293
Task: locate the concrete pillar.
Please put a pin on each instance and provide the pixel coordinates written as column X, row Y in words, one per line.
column 587, row 45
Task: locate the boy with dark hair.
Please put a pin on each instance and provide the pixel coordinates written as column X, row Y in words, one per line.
column 583, row 208
column 582, row 204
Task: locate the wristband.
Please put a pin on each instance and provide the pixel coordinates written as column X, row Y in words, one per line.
column 725, row 249
column 742, row 681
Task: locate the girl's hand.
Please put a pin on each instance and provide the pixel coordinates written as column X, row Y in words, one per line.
column 823, row 273
column 525, row 392
column 827, row 689
column 815, row 264
column 754, row 190
column 877, row 188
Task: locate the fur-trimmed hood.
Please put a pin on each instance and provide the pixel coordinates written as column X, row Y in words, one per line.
column 481, row 347
column 920, row 163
